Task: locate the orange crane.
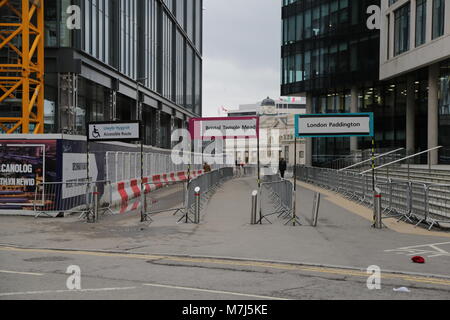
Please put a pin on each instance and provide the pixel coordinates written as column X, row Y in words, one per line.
column 21, row 66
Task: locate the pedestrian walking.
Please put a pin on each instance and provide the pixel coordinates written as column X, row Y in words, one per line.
column 282, row 167
column 206, row 167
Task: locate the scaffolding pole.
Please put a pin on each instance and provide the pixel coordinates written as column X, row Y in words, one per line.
column 21, row 66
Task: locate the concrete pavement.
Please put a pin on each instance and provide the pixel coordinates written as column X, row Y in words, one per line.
column 342, row 238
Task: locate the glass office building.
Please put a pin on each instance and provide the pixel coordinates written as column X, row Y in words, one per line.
column 328, row 55
column 126, row 56
column 331, row 56
column 415, row 61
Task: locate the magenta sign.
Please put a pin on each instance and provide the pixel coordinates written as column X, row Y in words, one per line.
column 224, row 128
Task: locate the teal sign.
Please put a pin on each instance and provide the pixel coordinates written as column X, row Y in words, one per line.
column 334, row 125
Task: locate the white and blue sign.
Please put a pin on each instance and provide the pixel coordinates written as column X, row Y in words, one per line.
column 334, row 125
column 114, row 131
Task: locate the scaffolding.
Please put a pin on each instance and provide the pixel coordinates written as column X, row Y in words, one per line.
column 21, row 66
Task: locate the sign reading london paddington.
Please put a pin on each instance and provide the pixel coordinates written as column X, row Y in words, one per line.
column 334, row 125
column 114, row 131
column 224, row 128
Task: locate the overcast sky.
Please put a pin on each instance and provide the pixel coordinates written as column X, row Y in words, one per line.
column 241, row 56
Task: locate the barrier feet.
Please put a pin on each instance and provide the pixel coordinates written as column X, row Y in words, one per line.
column 295, row 221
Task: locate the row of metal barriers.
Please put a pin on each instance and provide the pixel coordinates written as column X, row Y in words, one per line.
column 412, row 201
column 93, row 200
column 199, row 191
column 276, row 199
column 78, row 197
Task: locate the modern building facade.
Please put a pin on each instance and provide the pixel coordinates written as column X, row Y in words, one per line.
column 128, row 60
column 415, row 58
column 331, row 56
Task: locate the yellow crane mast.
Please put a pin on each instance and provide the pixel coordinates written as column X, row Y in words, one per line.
column 21, row 66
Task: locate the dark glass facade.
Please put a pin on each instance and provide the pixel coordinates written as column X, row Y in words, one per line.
column 327, row 50
column 444, row 112
column 157, row 43
column 326, row 45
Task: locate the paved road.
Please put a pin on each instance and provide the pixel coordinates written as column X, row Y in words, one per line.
column 173, row 261
column 41, row 274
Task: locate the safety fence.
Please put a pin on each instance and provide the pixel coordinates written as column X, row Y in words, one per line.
column 123, row 169
column 248, row 171
column 276, row 197
column 124, row 166
column 201, row 189
column 412, row 201
column 65, row 198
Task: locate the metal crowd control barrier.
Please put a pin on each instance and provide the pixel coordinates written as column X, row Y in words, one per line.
column 411, row 201
column 276, row 197
column 55, row 198
column 151, row 187
column 250, row 171
column 437, row 205
column 208, row 184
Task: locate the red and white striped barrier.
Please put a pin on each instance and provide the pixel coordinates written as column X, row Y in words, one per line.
column 124, row 191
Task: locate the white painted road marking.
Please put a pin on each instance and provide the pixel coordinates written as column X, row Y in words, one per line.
column 212, row 291
column 429, row 250
column 7, row 294
column 22, row 273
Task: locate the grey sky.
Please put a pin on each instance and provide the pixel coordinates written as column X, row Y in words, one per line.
column 241, row 52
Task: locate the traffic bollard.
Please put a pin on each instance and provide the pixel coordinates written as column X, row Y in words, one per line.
column 378, row 224
column 143, row 203
column 96, row 194
column 197, row 205
column 316, row 207
column 254, row 207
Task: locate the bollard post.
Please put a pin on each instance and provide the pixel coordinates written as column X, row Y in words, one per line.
column 254, row 207
column 197, row 205
column 316, row 207
column 143, row 203
column 96, row 194
column 377, row 209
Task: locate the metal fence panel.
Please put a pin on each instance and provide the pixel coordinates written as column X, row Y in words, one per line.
column 416, row 202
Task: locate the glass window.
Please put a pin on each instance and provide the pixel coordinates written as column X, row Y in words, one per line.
column 438, row 18
column 421, row 21
column 401, row 39
column 50, row 20
column 308, row 24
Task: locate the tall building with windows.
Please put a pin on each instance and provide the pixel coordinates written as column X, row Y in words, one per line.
column 127, row 56
column 415, row 59
column 330, row 56
column 400, row 73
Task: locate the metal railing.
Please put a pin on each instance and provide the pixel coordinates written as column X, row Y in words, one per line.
column 413, row 201
column 64, row 198
column 376, row 158
column 276, row 197
column 404, row 159
column 208, row 184
column 124, row 166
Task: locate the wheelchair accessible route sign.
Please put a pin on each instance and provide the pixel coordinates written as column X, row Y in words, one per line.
column 114, row 131
column 334, row 125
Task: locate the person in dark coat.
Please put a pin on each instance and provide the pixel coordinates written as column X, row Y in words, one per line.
column 206, row 167
column 282, row 167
